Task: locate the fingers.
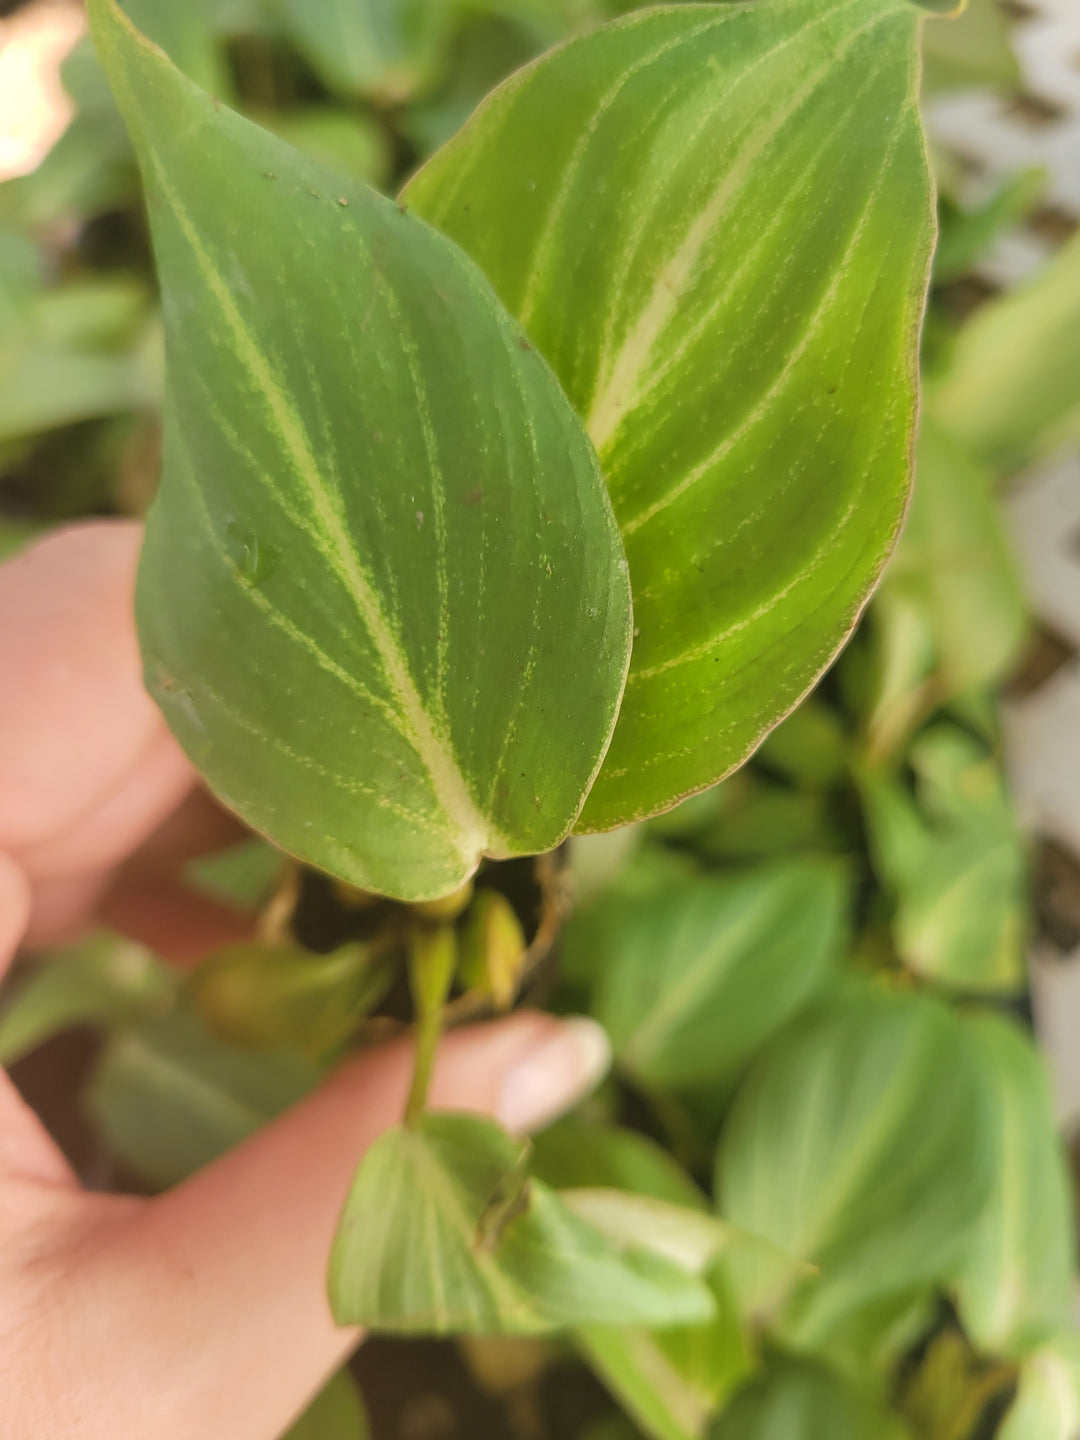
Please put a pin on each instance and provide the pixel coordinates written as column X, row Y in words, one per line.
column 214, row 1294
column 26, row 1151
column 87, row 768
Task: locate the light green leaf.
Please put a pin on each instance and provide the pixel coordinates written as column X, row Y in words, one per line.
column 336, row 1413
column 672, row 1381
column 382, row 601
column 695, row 977
column 956, row 866
column 1014, row 1287
column 341, row 139
column 574, row 1154
column 1014, row 373
column 385, row 48
column 955, row 560
column 859, row 1144
column 106, row 981
column 244, row 874
column 810, row 747
column 797, row 1401
column 444, row 1231
column 971, row 48
column 716, row 223
column 187, row 36
column 1047, row 1404
column 170, row 1098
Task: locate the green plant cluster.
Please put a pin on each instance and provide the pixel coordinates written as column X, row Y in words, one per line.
column 822, row 1193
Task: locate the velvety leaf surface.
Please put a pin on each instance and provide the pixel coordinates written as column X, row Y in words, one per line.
column 796, row 1401
column 444, row 1231
column 715, row 222
column 695, row 977
column 382, row 601
column 866, row 1120
column 1014, row 1287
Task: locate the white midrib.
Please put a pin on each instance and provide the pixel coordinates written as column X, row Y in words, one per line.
column 476, row 834
column 616, row 395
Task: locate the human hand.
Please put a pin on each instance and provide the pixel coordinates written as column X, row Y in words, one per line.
column 200, row 1313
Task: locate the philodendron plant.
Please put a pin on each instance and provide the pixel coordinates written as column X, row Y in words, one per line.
column 525, row 507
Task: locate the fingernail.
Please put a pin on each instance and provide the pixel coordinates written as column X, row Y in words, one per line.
column 555, row 1074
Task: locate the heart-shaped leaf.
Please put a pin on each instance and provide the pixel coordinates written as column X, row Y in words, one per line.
column 382, row 601
column 1014, row 1288
column 444, row 1231
column 860, row 1144
column 716, row 222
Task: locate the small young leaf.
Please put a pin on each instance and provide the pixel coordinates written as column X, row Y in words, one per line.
column 695, row 977
column 860, row 1144
column 382, row 601
column 716, row 222
column 444, row 1231
column 1014, row 1287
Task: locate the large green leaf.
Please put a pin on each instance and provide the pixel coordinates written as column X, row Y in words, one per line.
column 1047, row 1404
column 860, row 1144
column 1014, row 1287
column 444, row 1231
column 170, row 1097
column 694, row 977
column 1014, row 375
column 796, row 1401
column 716, row 223
column 382, row 601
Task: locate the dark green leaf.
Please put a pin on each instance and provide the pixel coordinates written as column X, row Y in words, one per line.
column 574, row 1154
column 382, row 601
column 715, row 222
column 385, row 48
column 797, row 1401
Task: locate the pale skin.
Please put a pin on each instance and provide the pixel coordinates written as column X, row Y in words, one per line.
column 201, row 1312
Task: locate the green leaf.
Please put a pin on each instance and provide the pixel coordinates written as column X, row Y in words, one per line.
column 695, row 977
column 860, row 1144
column 384, row 48
column 957, row 867
column 810, row 747
column 170, row 1098
column 797, row 1401
column 244, row 874
column 443, row 1231
column 574, row 1155
column 104, row 981
column 1047, row 1404
column 672, row 1381
column 187, row 36
column 1014, row 1288
column 967, row 234
column 968, row 49
column 382, row 600
column 341, row 139
column 1014, row 373
column 716, row 223
column 336, row 1413
column 956, row 561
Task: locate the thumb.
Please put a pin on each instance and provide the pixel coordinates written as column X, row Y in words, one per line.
column 219, row 1287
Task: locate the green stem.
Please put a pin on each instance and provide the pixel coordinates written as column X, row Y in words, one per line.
column 432, row 961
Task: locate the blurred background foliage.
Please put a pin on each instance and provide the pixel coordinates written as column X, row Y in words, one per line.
column 813, row 975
